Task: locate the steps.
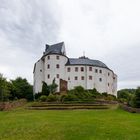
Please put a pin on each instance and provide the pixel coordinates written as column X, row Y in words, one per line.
column 46, row 106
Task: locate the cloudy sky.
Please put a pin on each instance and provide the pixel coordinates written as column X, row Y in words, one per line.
column 108, row 30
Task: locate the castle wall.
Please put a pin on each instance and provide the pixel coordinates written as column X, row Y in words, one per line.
column 38, row 76
column 52, row 70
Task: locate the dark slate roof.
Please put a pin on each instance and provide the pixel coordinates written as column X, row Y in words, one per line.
column 86, row 61
column 54, row 49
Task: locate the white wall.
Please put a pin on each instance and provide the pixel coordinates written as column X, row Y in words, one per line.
column 53, row 71
column 101, row 86
column 38, row 76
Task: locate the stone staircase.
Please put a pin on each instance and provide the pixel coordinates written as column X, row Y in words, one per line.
column 59, row 106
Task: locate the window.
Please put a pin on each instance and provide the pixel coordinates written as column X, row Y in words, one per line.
column 108, row 84
column 57, row 57
column 90, row 68
column 76, row 78
column 100, row 71
column 48, row 66
column 40, row 70
column 68, row 78
column 57, row 66
column 90, row 77
column 57, row 75
column 68, row 69
column 48, row 57
column 76, row 69
column 96, row 70
column 82, row 78
column 82, row 68
column 100, row 79
column 48, row 76
column 108, row 74
column 114, row 78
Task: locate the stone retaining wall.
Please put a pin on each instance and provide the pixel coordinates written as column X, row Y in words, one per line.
column 5, row 106
column 130, row 109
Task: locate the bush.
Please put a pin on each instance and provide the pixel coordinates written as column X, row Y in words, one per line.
column 69, row 97
column 52, row 98
column 105, row 94
column 95, row 93
column 43, row 98
column 136, row 99
column 110, row 97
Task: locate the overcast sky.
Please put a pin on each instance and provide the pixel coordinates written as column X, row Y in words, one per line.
column 107, row 30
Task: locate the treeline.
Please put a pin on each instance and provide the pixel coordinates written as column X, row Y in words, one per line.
column 131, row 97
column 15, row 89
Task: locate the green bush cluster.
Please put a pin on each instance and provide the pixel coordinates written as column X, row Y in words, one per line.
column 48, row 92
column 15, row 89
column 49, row 98
column 130, row 97
column 78, row 94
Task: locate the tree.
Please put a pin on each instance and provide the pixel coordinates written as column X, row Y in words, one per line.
column 136, row 98
column 53, row 87
column 21, row 89
column 45, row 89
column 4, row 88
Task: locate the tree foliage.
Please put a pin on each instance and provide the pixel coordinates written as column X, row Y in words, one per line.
column 21, row 89
column 48, row 89
column 45, row 89
column 136, row 98
column 4, row 88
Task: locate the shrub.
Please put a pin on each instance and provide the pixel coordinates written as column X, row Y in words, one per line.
column 43, row 98
column 95, row 93
column 105, row 94
column 136, row 99
column 110, row 97
column 52, row 98
column 69, row 97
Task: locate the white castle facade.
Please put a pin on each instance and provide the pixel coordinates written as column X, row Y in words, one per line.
column 71, row 72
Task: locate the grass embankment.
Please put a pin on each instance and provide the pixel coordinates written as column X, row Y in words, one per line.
column 111, row 124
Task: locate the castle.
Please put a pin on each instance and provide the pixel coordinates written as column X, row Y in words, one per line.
column 71, row 72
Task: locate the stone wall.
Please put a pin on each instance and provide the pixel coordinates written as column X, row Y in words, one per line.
column 5, row 106
column 130, row 109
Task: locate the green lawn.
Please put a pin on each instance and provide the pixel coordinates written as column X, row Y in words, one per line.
column 113, row 124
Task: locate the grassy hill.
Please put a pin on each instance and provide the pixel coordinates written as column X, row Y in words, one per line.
column 111, row 124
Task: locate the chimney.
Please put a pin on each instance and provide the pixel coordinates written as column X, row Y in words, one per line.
column 47, row 46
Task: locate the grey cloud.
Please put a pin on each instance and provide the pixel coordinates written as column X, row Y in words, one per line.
column 105, row 30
